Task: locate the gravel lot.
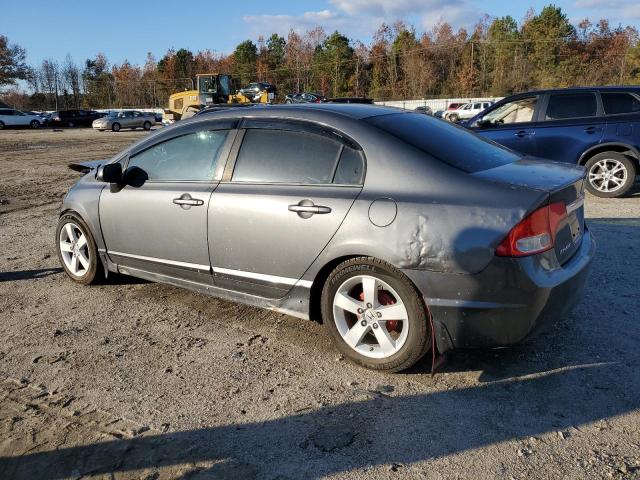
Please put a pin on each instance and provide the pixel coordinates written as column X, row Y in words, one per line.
column 138, row 380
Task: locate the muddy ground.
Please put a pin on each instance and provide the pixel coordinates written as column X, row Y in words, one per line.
column 139, row 380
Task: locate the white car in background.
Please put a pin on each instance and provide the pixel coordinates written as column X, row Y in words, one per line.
column 10, row 117
column 466, row 111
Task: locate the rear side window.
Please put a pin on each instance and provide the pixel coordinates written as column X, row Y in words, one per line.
column 190, row 157
column 617, row 103
column 283, row 156
column 571, row 105
column 448, row 143
column 350, row 170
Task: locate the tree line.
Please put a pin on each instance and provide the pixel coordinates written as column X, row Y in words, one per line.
column 499, row 56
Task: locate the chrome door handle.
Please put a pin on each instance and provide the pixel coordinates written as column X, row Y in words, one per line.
column 306, row 208
column 309, row 208
column 523, row 133
column 185, row 201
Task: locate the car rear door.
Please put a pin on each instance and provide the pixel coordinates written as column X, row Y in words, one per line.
column 157, row 220
column 569, row 124
column 622, row 110
column 512, row 123
column 284, row 195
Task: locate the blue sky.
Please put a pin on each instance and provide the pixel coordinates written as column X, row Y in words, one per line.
column 128, row 29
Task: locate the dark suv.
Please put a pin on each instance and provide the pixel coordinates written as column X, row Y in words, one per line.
column 75, row 118
column 596, row 127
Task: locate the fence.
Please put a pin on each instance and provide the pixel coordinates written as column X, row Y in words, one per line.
column 436, row 103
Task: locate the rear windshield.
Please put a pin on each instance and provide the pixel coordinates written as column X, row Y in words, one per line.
column 449, row 143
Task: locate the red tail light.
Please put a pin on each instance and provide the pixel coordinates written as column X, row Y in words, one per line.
column 535, row 234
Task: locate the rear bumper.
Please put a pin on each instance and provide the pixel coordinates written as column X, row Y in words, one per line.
column 505, row 302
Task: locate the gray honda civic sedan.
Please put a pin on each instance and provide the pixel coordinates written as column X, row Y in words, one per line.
column 399, row 231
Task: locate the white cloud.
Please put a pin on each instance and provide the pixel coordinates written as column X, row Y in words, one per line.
column 622, row 10
column 363, row 17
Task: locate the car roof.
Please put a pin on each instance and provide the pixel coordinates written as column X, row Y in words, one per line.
column 355, row 111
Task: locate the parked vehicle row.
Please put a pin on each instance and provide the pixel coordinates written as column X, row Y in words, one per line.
column 372, row 219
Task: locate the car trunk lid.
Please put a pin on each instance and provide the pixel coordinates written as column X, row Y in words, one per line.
column 562, row 182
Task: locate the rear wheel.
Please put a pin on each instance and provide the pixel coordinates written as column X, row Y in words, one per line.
column 375, row 315
column 35, row 124
column 610, row 174
column 1, row 125
column 115, row 127
column 77, row 250
column 147, row 125
column 71, row 124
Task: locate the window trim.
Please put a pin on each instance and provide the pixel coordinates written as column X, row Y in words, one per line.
column 217, row 171
column 267, row 123
column 542, row 114
column 633, row 94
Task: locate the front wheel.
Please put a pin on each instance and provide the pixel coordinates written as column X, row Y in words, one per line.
column 453, row 118
column 147, row 125
column 77, row 250
column 35, row 124
column 375, row 315
column 115, row 127
column 1, row 125
column 610, row 174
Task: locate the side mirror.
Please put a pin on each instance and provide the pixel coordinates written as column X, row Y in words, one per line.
column 110, row 173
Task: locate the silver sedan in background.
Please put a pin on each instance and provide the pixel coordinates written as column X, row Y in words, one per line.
column 129, row 119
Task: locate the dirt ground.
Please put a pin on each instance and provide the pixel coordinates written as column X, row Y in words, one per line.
column 139, row 380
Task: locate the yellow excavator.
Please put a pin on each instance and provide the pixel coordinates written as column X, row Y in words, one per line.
column 215, row 89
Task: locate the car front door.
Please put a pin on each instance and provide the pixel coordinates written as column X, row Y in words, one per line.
column 511, row 124
column 157, row 220
column 570, row 124
column 279, row 205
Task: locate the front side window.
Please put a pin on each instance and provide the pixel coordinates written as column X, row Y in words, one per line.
column 518, row 111
column 190, row 157
column 571, row 105
column 283, row 156
column 617, row 103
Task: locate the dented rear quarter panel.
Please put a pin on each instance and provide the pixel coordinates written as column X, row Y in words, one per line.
column 447, row 220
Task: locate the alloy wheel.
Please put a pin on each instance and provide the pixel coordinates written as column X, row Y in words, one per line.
column 370, row 316
column 74, row 249
column 608, row 175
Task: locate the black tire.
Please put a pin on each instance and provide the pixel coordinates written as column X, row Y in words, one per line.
column 94, row 272
column 71, row 124
column 288, row 101
column 453, row 118
column 35, row 124
column 593, row 168
column 115, row 127
column 1, row 125
column 147, row 125
column 418, row 341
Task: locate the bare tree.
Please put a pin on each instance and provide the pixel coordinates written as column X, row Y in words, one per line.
column 71, row 79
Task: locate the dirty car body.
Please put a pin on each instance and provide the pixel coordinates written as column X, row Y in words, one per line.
column 436, row 203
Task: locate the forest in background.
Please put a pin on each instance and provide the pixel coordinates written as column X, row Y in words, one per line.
column 498, row 57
